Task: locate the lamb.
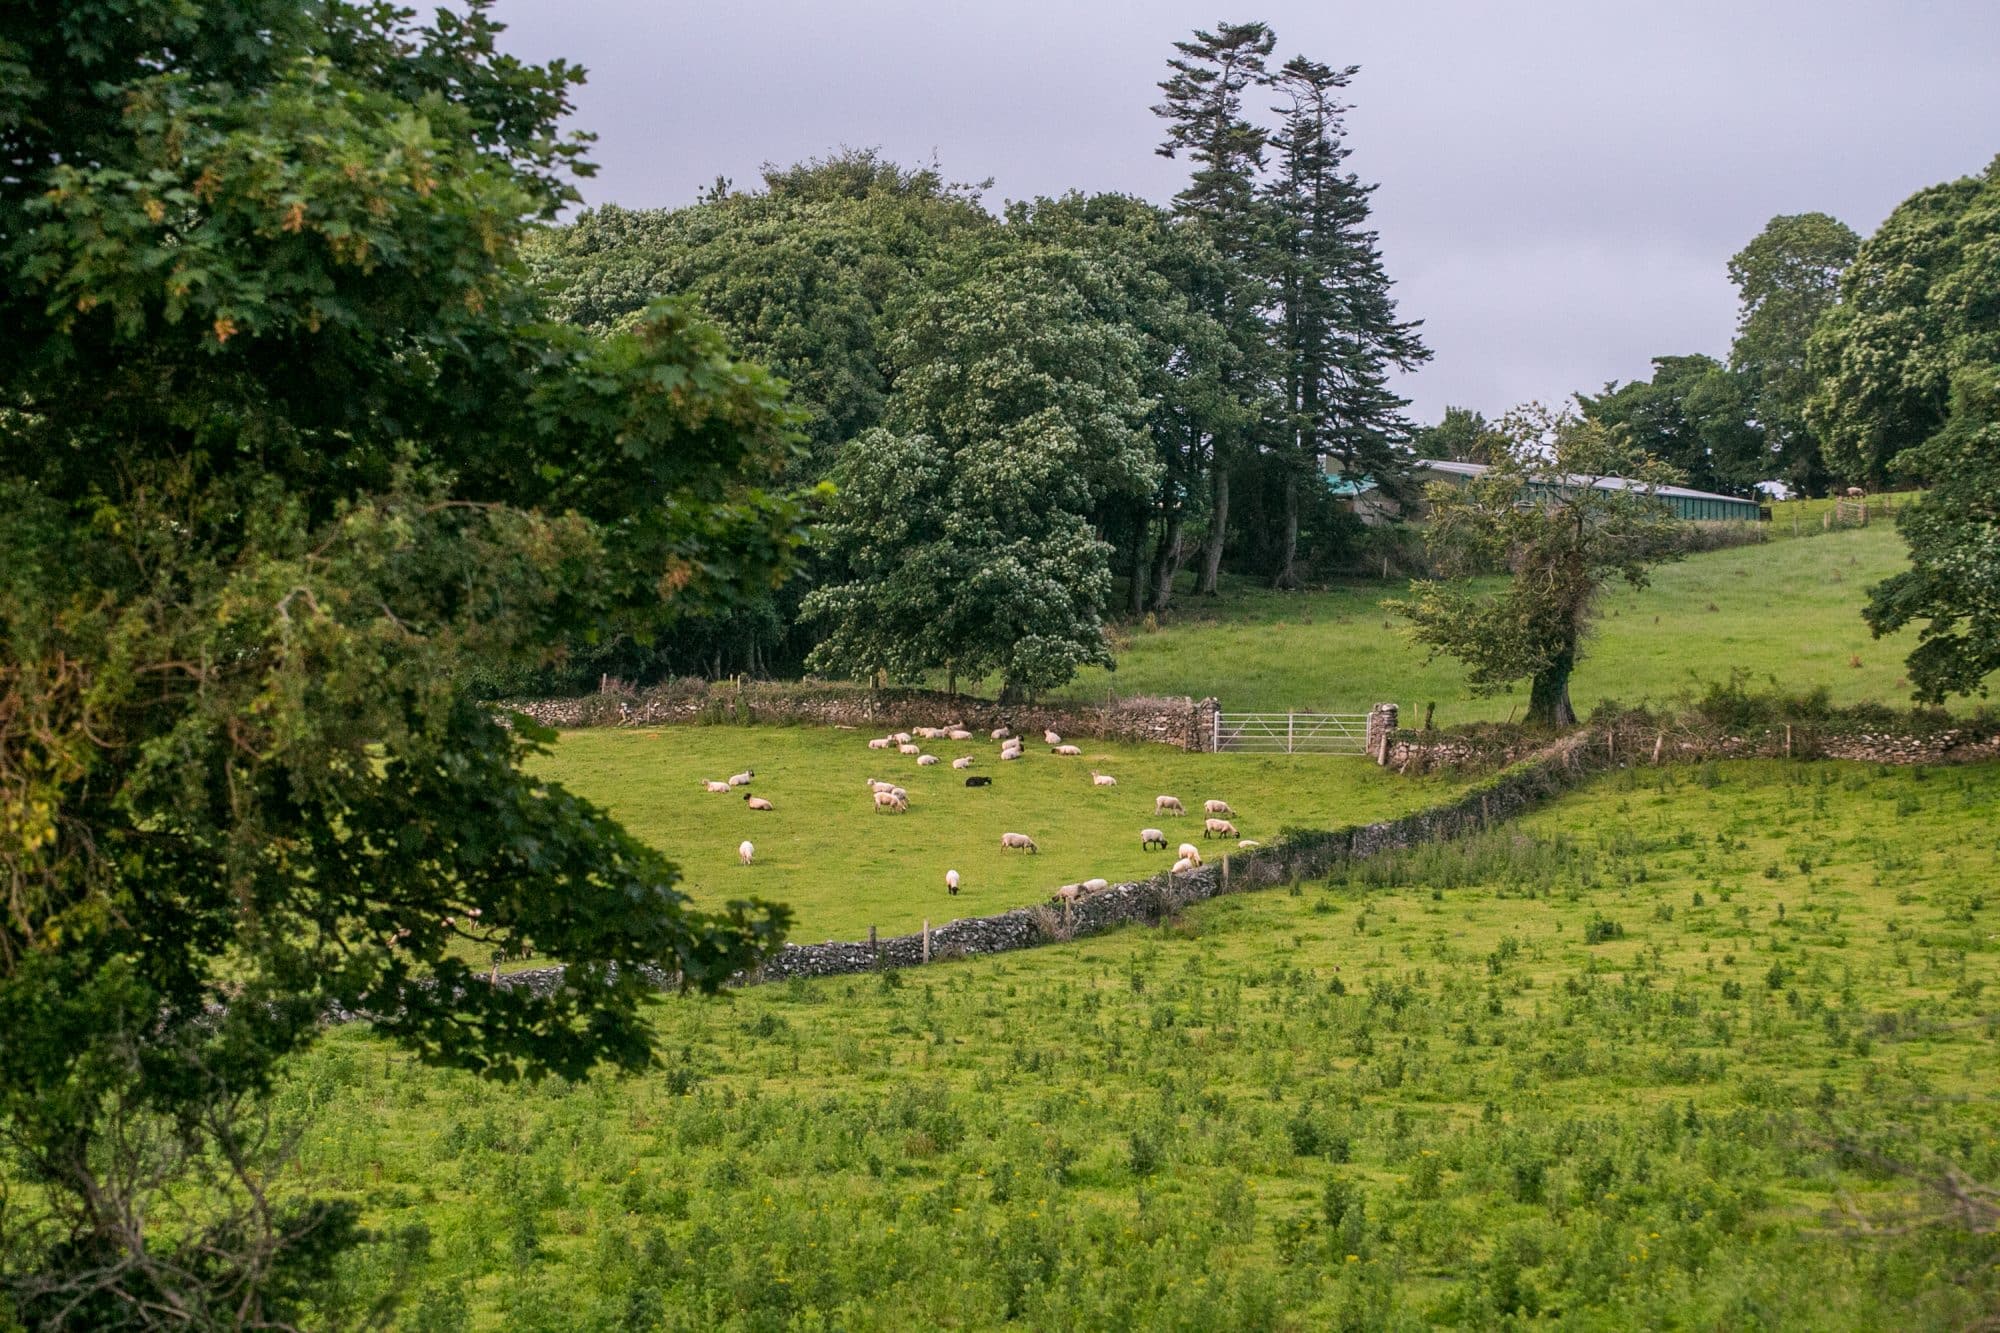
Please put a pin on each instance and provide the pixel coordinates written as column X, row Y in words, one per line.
column 758, row 803
column 958, row 734
column 744, row 851
column 1050, row 738
column 1219, row 828
column 715, row 786
column 880, row 743
column 1017, row 842
column 1069, row 750
column 901, row 738
column 1000, row 734
column 1167, row 805
column 1102, row 780
column 1068, row 894
column 1149, row 836
column 926, row 760
column 1181, row 866
column 963, row 761
column 742, row 779
column 890, row 802
column 979, row 782
column 909, row 749
column 1855, row 493
column 1249, row 844
column 926, row 733
column 951, row 882
column 899, row 793
column 875, row 784
column 1096, row 885
column 1006, row 755
column 1190, row 852
column 1218, row 808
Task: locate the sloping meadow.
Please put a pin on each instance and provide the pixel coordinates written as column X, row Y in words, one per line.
column 1640, row 1059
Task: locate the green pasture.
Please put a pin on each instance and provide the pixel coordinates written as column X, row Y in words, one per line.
column 1645, row 1060
column 843, row 867
column 1788, row 611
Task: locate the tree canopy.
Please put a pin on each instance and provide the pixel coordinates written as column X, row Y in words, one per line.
column 1695, row 414
column 288, row 446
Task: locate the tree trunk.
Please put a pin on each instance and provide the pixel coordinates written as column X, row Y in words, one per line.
column 1137, row 601
column 951, row 677
column 1166, row 562
column 1288, row 561
column 1548, row 697
column 1218, row 531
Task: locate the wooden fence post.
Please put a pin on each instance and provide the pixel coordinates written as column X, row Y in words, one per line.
column 927, row 939
column 873, row 947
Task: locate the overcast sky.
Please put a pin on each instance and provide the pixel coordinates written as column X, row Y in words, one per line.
column 1561, row 184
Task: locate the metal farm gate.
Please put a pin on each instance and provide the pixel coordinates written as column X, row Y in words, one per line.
column 1291, row 733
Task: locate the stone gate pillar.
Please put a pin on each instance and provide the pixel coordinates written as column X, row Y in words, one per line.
column 1381, row 725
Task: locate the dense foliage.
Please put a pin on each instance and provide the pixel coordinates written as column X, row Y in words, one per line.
column 287, row 448
column 1539, row 514
column 1694, row 414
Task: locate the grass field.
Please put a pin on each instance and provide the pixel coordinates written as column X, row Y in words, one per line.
column 1788, row 610
column 1624, row 1065
column 843, row 867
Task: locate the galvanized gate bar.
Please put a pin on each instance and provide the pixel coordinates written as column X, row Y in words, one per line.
column 1291, row 733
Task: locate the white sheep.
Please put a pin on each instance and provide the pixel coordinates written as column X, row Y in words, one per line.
column 876, row 784
column 1009, row 754
column 958, row 734
column 1017, row 842
column 1149, row 836
column 951, row 882
column 1249, row 844
column 899, row 793
column 901, row 738
column 742, row 779
column 1049, row 737
column 963, row 761
column 1069, row 750
column 1218, row 808
column 758, row 803
column 715, row 786
column 1102, row 780
column 890, row 802
column 1190, row 852
column 926, row 760
column 744, row 851
column 1000, row 734
column 1219, row 828
column 1096, row 885
column 1167, row 805
column 880, row 743
column 1182, row 866
column 909, row 749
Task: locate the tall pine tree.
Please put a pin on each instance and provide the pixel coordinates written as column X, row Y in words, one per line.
column 1203, row 108
column 1336, row 331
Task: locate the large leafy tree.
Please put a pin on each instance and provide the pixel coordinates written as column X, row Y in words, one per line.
column 1462, row 434
column 1336, row 328
column 964, row 525
column 1697, row 415
column 1786, row 278
column 1953, row 583
column 1917, row 306
column 1202, row 104
column 1537, row 514
column 287, row 446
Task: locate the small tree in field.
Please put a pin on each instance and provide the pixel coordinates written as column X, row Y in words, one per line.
column 1540, row 513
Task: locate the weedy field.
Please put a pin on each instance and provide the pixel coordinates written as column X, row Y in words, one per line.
column 1640, row 1061
column 1784, row 611
column 843, row 867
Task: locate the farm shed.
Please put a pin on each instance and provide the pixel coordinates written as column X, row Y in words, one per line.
column 1368, row 502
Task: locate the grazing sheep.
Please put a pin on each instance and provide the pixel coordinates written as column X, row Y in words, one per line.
column 875, row 784
column 880, row 743
column 744, row 851
column 909, row 749
column 1149, row 836
column 899, row 793
column 958, row 734
column 715, row 786
column 1219, row 828
column 1249, row 844
column 979, row 782
column 1167, row 805
column 1017, row 842
column 1190, row 852
column 1181, row 866
column 742, row 779
column 951, row 882
column 1000, row 734
column 926, row 760
column 1102, row 780
column 901, row 738
column 1855, row 493
column 1050, row 738
column 889, row 801
column 1218, row 808
column 1096, row 885
column 758, row 803
column 1006, row 755
column 1069, row 750
column 963, row 761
